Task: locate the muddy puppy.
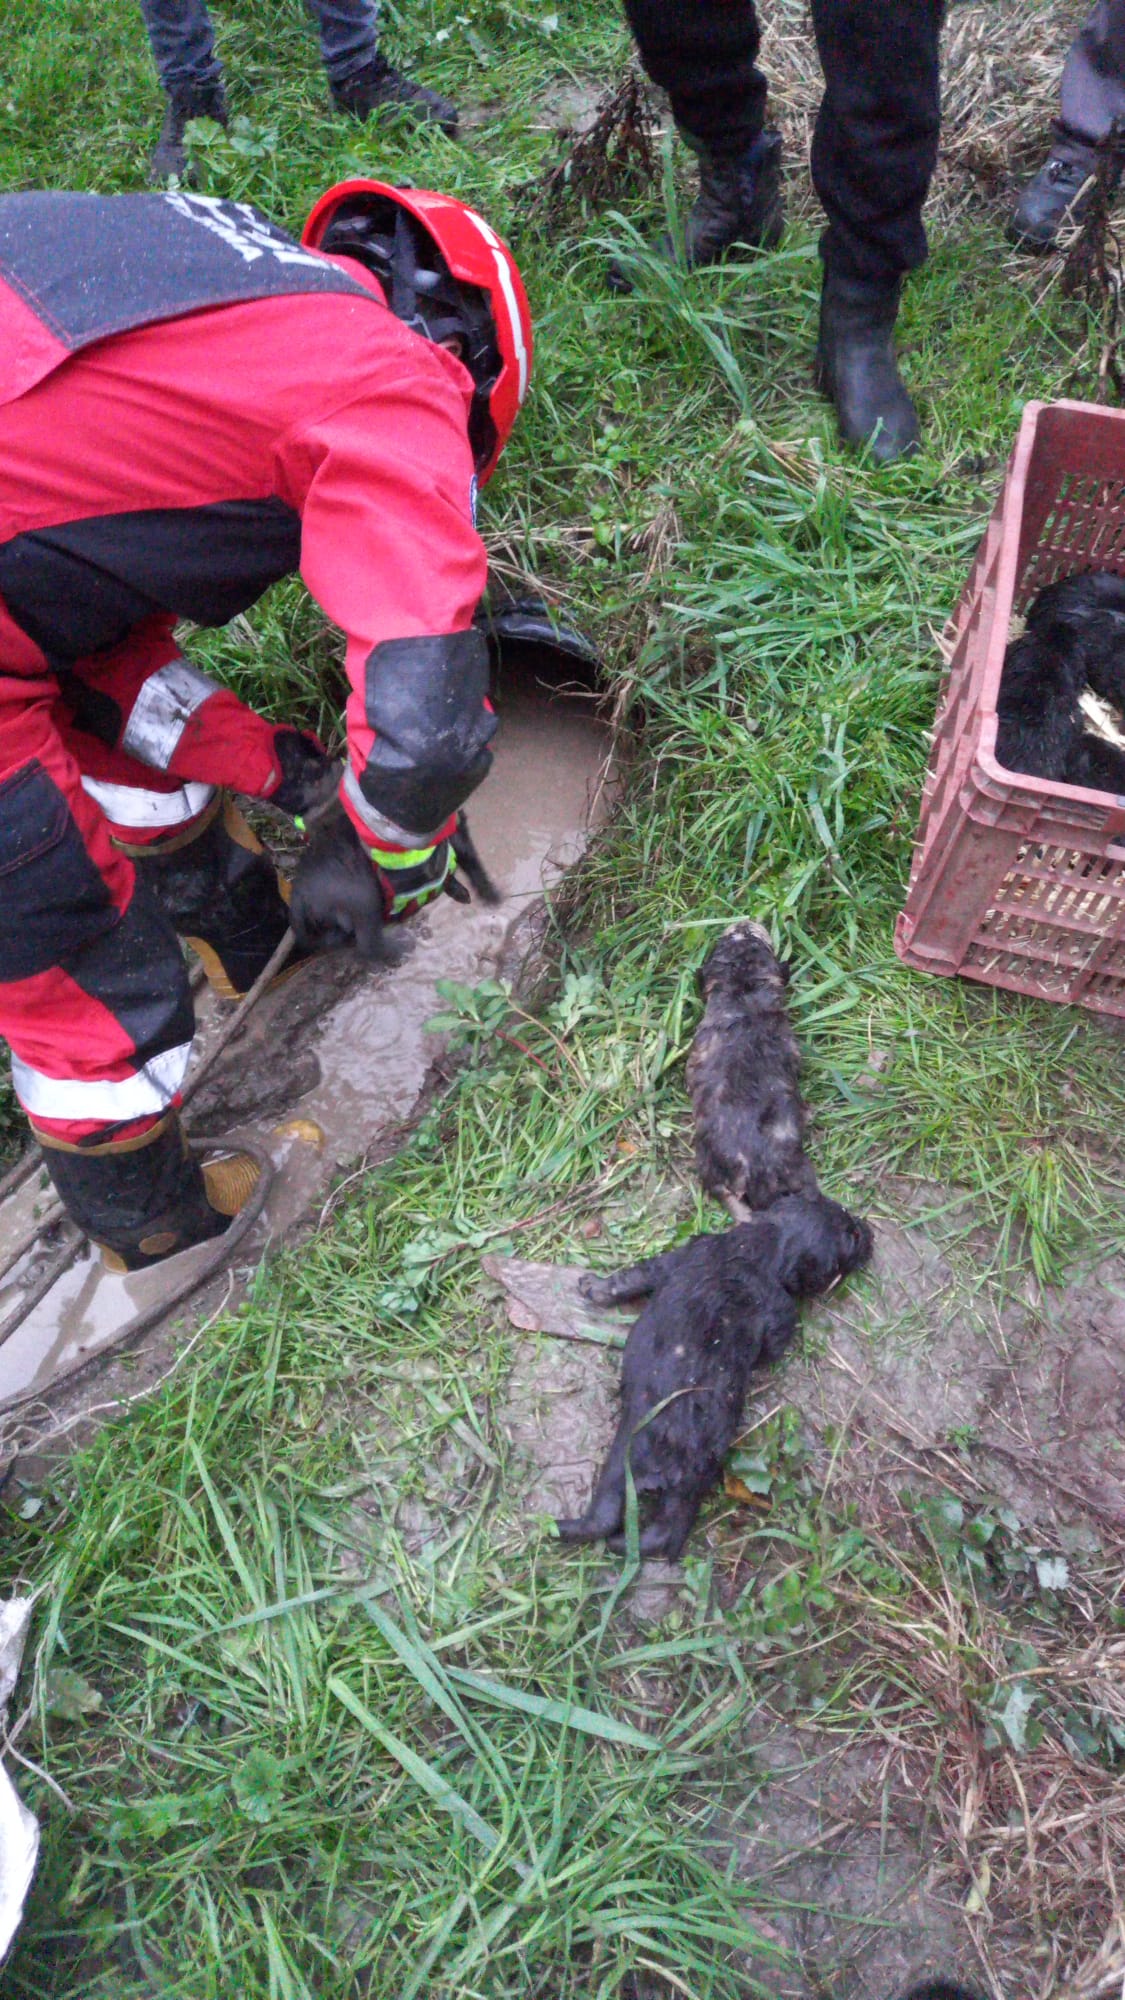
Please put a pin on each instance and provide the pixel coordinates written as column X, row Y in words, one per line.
column 717, row 1308
column 742, row 1077
column 341, row 871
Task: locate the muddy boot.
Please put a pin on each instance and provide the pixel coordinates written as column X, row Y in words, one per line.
column 142, row 1200
column 170, row 160
column 857, row 370
column 740, row 204
column 378, row 86
column 1060, row 192
column 223, row 895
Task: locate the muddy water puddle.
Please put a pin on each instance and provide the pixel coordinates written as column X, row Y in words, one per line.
column 358, row 1063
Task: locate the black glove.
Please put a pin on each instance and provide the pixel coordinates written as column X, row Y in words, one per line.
column 338, row 898
column 309, row 776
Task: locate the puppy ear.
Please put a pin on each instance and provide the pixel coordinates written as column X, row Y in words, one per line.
column 785, row 967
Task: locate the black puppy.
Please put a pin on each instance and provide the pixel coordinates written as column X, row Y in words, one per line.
column 1074, row 638
column 718, row 1306
column 742, row 1076
column 343, row 868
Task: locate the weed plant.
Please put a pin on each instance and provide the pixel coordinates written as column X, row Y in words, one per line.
column 282, row 1744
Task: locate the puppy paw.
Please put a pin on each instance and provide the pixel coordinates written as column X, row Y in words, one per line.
column 577, row 1528
column 595, row 1290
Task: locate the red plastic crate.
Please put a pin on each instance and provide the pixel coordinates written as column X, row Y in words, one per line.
column 1019, row 881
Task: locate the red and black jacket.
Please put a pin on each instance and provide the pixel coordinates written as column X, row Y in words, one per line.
column 193, row 406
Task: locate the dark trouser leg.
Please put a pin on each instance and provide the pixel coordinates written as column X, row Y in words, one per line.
column 873, row 154
column 183, row 48
column 703, row 54
column 876, row 139
column 1093, row 80
column 1092, row 103
column 349, row 35
column 362, row 80
column 183, row 44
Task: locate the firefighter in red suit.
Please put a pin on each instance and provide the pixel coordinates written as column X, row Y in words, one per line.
column 193, row 405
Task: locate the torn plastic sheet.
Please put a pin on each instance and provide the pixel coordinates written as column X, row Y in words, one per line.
column 547, row 1298
column 19, row 1829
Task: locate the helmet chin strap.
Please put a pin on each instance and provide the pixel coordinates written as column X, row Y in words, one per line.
column 404, row 294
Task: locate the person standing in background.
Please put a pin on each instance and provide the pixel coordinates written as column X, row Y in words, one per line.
column 1091, row 103
column 873, row 155
column 360, row 78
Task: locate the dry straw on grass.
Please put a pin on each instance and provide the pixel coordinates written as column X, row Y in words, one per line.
column 1001, row 63
column 1040, row 1835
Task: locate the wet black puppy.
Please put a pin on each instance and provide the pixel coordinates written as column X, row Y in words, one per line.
column 742, row 1077
column 1074, row 638
column 343, row 876
column 718, row 1307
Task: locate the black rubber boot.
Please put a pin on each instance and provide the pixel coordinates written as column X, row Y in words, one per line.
column 142, row 1201
column 223, row 894
column 170, row 160
column 378, row 86
column 1060, row 192
column 739, row 202
column 740, row 205
column 857, row 370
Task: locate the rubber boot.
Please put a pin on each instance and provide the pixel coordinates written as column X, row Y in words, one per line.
column 224, row 896
column 1060, row 192
column 378, row 86
column 145, row 1199
column 857, row 370
column 740, row 204
column 169, row 160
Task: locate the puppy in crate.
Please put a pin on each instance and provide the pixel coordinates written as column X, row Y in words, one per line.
column 1072, row 644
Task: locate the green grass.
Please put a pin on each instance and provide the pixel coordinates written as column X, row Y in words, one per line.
column 327, row 1758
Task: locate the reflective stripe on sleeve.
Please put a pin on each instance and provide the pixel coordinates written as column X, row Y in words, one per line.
column 164, row 707
column 149, row 1090
column 128, row 805
column 377, row 826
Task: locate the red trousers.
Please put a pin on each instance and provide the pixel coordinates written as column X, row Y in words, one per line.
column 121, row 752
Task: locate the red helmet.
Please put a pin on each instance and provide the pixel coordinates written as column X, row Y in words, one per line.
column 445, row 273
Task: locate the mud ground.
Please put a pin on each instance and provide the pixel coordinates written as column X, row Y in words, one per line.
column 925, row 1364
